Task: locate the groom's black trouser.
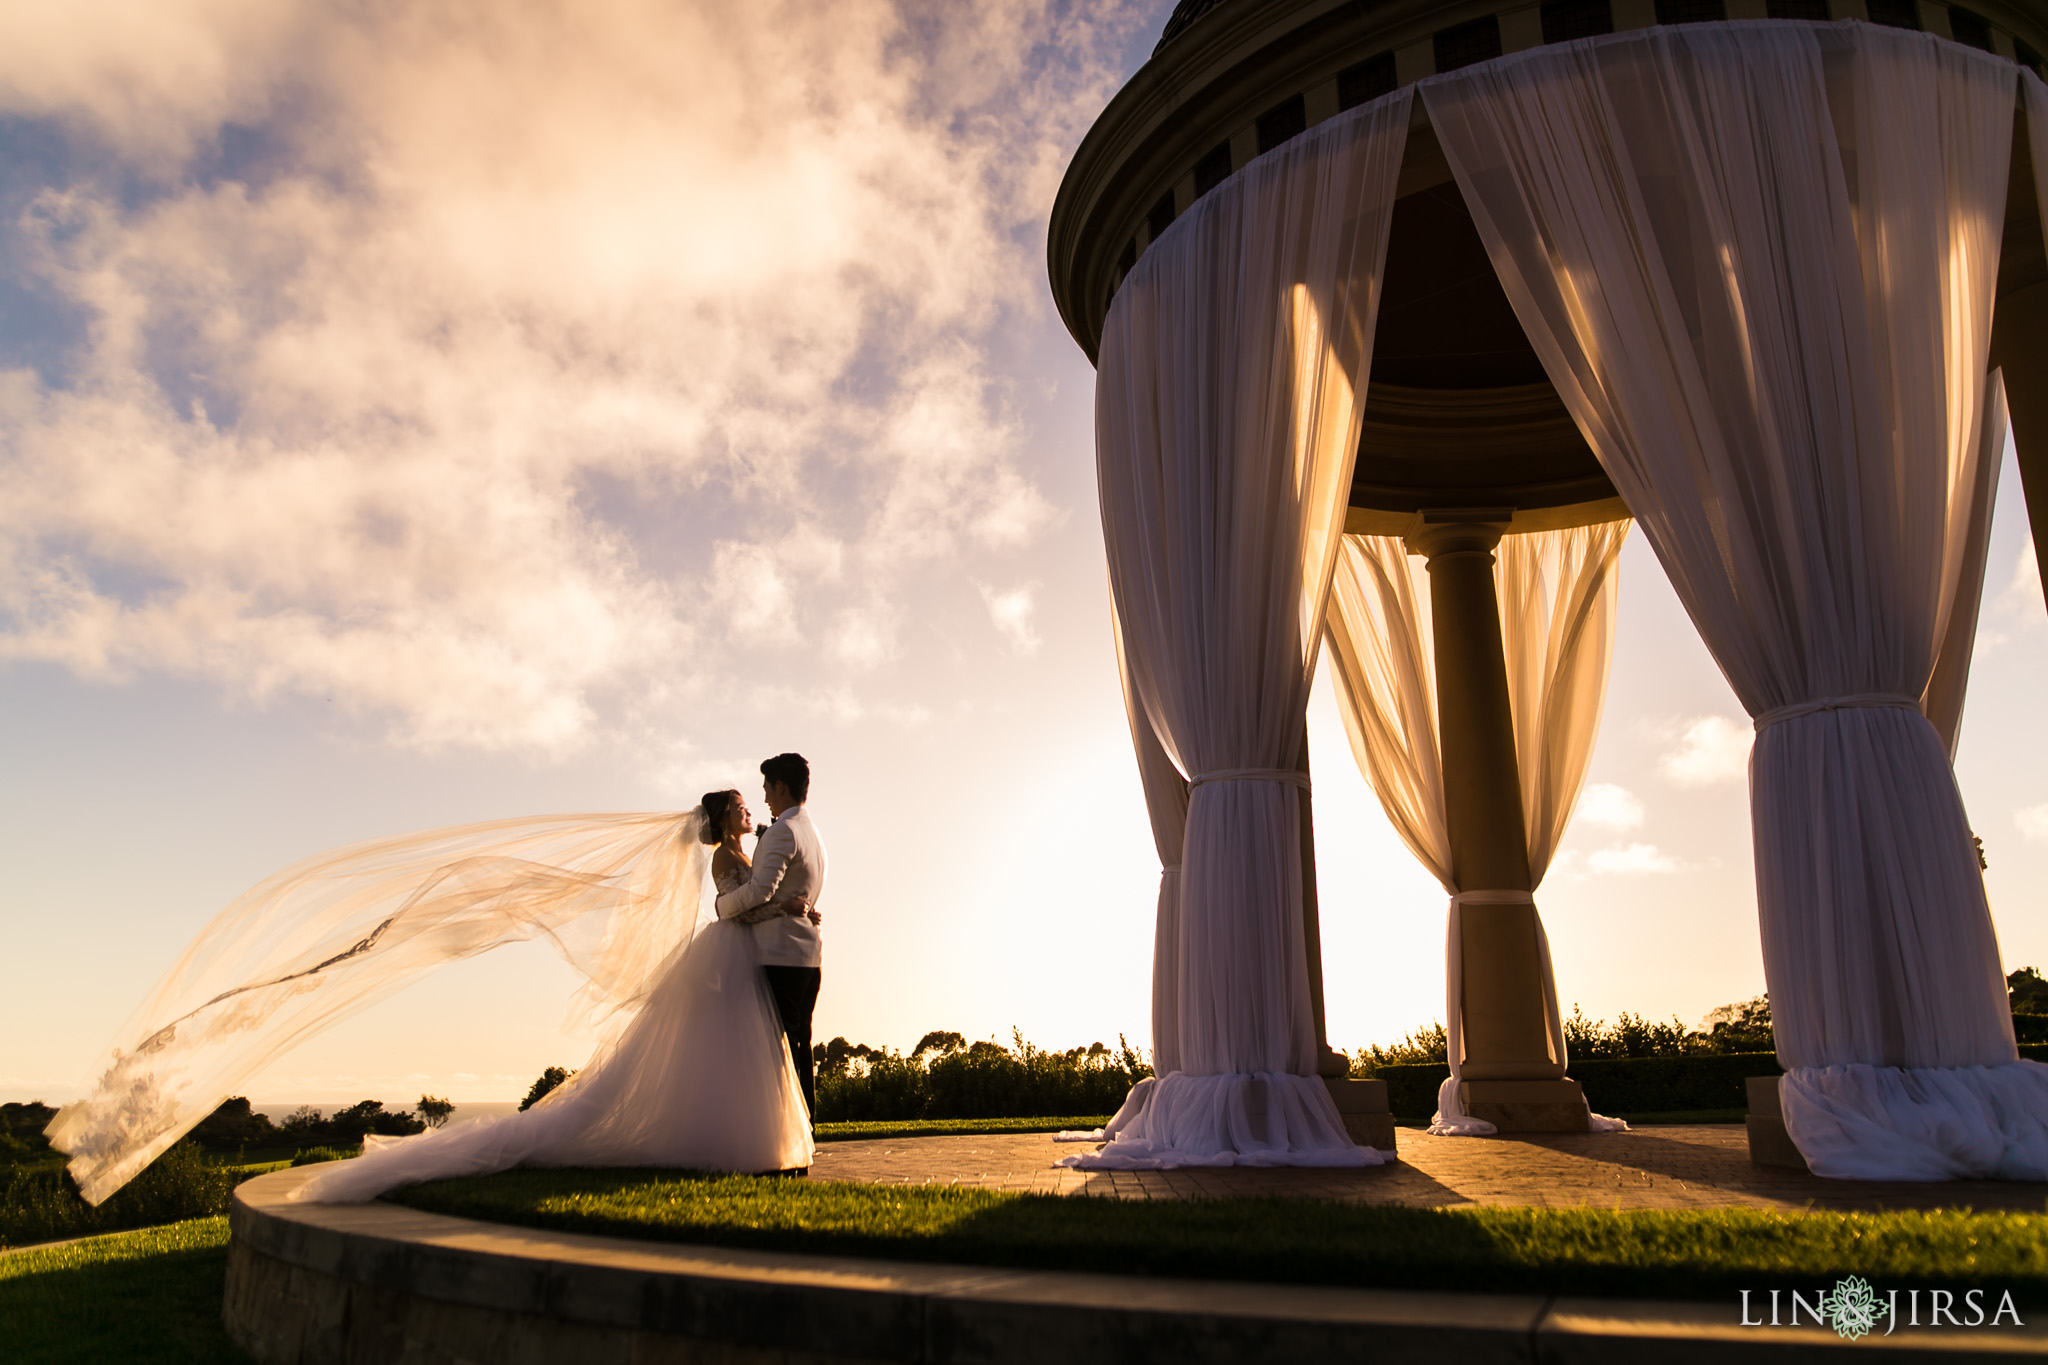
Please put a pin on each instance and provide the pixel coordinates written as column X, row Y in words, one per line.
column 796, row 994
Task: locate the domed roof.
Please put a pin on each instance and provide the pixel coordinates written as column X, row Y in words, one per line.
column 1183, row 17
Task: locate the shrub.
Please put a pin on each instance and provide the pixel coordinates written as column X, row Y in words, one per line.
column 1412, row 1087
column 2027, row 991
column 21, row 1132
column 1741, row 1027
column 1651, row 1085
column 1634, row 1036
column 1614, row 1085
column 1731, row 1029
column 1420, row 1048
column 42, row 1205
column 942, row 1079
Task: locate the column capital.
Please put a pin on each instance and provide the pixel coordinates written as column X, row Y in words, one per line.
column 1458, row 530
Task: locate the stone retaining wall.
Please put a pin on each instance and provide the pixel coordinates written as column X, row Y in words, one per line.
column 338, row 1285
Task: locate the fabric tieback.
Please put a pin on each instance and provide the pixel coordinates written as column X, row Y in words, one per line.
column 1861, row 701
column 1493, row 898
column 1291, row 776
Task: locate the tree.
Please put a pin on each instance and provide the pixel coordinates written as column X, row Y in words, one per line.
column 2029, row 991
column 234, row 1125
column 545, row 1086
column 434, row 1111
column 1744, row 1026
column 308, row 1127
column 350, row 1125
column 836, row 1057
column 939, row 1041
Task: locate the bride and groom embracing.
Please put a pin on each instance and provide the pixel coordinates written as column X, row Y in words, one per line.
column 714, row 1073
column 705, row 1058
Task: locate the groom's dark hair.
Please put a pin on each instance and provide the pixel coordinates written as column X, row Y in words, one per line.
column 792, row 772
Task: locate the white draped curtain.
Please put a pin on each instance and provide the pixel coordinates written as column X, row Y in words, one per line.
column 1968, row 549
column 1557, row 593
column 1232, row 371
column 1757, row 261
column 1166, row 801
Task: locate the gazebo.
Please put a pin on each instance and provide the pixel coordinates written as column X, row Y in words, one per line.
column 1404, row 314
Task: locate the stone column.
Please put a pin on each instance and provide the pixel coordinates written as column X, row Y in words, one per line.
column 1510, row 1077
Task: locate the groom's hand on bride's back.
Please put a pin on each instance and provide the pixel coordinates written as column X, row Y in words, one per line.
column 797, row 907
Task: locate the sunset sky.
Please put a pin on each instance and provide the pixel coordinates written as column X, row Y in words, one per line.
column 415, row 414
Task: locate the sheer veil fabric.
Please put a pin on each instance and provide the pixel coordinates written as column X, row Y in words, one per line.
column 699, row 1079
column 1233, row 364
column 1557, row 592
column 617, row 895
column 1757, row 260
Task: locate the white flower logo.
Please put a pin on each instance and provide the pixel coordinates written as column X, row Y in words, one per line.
column 1852, row 1308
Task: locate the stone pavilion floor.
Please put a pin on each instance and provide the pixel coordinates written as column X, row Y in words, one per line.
column 1693, row 1166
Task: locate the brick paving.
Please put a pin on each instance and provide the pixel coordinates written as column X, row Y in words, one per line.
column 1691, row 1166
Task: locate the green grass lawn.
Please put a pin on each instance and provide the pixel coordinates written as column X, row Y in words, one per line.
column 1498, row 1250
column 147, row 1296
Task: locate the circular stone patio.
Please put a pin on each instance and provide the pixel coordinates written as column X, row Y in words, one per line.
column 1689, row 1166
column 313, row 1284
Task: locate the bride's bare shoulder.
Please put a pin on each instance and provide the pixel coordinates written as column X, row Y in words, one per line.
column 724, row 860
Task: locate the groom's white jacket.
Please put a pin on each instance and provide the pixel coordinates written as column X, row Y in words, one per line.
column 789, row 861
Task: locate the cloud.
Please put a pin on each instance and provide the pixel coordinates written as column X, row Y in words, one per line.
column 480, row 365
column 1610, row 807
column 1011, row 613
column 1710, row 750
column 1632, row 860
column 2032, row 822
column 2022, row 598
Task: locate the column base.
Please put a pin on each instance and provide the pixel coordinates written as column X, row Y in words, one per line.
column 1769, row 1143
column 1528, row 1106
column 1363, row 1107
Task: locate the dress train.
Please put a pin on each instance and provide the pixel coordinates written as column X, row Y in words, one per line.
column 700, row 1079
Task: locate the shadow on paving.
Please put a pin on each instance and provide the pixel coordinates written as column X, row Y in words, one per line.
column 1398, row 1183
column 1727, row 1167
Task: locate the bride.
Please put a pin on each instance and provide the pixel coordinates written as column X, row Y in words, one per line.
column 692, row 1071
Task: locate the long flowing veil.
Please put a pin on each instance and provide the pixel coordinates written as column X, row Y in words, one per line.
column 617, row 895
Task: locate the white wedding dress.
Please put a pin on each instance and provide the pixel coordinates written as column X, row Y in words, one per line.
column 700, row 1080
column 692, row 1071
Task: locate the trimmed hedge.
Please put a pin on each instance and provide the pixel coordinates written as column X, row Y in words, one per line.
column 985, row 1081
column 1651, row 1085
column 1621, row 1085
column 1627, row 1085
column 1412, row 1087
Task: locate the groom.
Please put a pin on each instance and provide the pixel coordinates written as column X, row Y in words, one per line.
column 789, row 869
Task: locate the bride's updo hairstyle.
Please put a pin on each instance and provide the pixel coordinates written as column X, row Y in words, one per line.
column 716, row 807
